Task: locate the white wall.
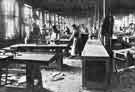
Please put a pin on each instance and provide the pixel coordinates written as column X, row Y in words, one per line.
column 80, row 20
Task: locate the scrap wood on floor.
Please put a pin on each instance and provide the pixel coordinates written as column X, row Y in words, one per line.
column 126, row 69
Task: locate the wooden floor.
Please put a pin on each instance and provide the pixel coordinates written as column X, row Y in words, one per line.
column 70, row 80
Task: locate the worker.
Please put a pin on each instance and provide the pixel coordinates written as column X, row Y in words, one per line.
column 76, row 47
column 107, row 31
column 55, row 34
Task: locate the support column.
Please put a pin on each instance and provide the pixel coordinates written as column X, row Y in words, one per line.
column 21, row 16
column 104, row 8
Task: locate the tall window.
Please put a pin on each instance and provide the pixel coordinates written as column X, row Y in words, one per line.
column 27, row 19
column 56, row 16
column 52, row 18
column 9, row 15
column 47, row 20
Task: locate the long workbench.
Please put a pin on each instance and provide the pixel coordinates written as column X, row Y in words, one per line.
column 33, row 60
column 55, row 48
column 97, row 66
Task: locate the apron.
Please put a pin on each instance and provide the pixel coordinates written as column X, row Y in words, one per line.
column 73, row 50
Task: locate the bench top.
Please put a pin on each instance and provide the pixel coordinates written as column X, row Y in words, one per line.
column 94, row 48
column 40, row 45
column 34, row 56
column 5, row 57
column 65, row 40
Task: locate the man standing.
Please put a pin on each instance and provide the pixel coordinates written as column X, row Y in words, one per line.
column 107, row 31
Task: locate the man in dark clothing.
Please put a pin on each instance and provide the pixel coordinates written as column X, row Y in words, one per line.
column 107, row 31
column 35, row 34
column 77, row 42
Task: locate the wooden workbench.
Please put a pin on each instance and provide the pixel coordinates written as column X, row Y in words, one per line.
column 55, row 48
column 96, row 65
column 33, row 62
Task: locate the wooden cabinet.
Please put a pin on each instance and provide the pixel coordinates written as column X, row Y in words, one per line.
column 96, row 67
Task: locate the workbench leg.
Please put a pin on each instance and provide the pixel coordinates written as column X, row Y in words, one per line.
column 0, row 74
column 36, row 76
column 109, row 67
column 3, row 65
column 83, row 74
column 33, row 75
column 28, row 75
column 59, row 56
column 67, row 52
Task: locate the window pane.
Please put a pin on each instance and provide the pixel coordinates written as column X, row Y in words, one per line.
column 9, row 22
column 9, row 19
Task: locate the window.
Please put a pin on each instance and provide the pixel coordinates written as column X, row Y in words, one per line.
column 9, row 19
column 47, row 19
column 27, row 19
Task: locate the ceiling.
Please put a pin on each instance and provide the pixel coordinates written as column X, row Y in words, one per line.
column 66, row 7
column 83, row 7
column 122, row 6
